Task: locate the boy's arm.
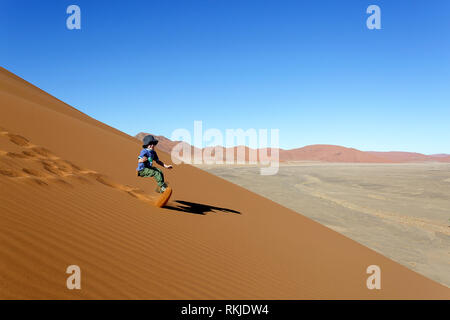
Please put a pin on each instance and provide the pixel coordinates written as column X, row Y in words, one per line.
column 142, row 159
column 167, row 166
column 156, row 159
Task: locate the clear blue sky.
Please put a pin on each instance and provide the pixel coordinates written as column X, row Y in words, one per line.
column 309, row 68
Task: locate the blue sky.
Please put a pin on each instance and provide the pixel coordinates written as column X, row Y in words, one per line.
column 312, row 69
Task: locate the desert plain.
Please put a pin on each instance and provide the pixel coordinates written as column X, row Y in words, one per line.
column 400, row 210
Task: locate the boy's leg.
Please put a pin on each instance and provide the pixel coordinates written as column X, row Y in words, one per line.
column 146, row 172
column 153, row 172
column 159, row 177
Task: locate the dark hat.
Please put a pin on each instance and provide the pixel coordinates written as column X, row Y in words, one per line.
column 150, row 140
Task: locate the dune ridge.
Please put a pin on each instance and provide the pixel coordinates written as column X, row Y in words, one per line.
column 317, row 152
column 398, row 156
column 70, row 195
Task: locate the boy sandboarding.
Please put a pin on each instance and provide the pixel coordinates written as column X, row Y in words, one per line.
column 146, row 169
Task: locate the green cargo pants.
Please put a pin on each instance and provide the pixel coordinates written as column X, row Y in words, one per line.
column 153, row 172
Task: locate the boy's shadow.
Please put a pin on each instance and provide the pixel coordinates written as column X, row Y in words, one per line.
column 197, row 208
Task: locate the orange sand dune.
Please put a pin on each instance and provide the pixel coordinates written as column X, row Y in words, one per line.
column 70, row 195
column 329, row 153
column 168, row 145
column 398, row 156
column 318, row 152
column 440, row 155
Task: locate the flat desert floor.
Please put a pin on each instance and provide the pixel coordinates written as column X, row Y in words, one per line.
column 400, row 210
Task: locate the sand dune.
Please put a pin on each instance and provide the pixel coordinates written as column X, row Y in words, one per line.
column 441, row 155
column 318, row 152
column 397, row 156
column 70, row 195
column 330, row 153
column 325, row 153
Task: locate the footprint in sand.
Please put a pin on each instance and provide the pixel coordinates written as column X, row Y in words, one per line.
column 33, row 175
column 33, row 172
column 16, row 155
column 18, row 140
column 41, row 152
column 52, row 165
column 11, row 173
column 66, row 166
column 39, row 182
column 24, row 142
column 74, row 166
column 50, row 168
column 29, row 154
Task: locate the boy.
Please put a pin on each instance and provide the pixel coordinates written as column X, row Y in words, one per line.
column 146, row 158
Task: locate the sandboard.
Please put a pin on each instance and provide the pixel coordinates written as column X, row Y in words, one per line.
column 163, row 198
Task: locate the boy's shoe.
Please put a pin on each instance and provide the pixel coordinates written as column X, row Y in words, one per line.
column 162, row 188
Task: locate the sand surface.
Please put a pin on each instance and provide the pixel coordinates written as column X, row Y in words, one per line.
column 69, row 194
column 399, row 210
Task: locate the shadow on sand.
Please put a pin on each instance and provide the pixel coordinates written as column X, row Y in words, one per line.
column 197, row 208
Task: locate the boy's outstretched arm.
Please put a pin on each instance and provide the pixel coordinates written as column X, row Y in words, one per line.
column 167, row 166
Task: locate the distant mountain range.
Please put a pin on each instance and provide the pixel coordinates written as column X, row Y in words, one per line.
column 319, row 152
